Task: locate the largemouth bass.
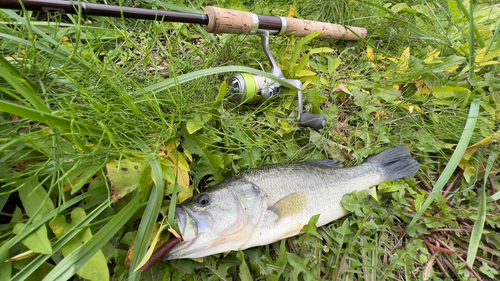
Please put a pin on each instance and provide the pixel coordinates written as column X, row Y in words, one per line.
column 264, row 205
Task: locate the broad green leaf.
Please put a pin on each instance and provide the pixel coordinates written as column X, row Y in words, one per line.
column 209, row 163
column 333, row 149
column 84, row 177
column 398, row 7
column 491, row 55
column 38, row 241
column 299, row 69
column 305, row 73
column 35, row 199
column 40, row 272
column 299, row 265
column 5, row 267
column 455, row 12
column 96, row 268
column 391, row 186
column 333, row 65
column 196, row 123
column 447, row 91
column 297, row 49
column 78, row 258
column 244, row 272
column 41, row 259
column 320, row 50
column 314, row 96
column 495, row 196
column 126, row 176
column 310, row 228
column 389, row 94
column 447, row 62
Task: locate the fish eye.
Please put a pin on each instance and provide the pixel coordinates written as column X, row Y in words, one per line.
column 203, row 200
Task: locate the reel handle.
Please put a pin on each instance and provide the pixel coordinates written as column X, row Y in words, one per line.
column 315, row 121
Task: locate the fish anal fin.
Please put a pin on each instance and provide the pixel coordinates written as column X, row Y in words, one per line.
column 289, row 205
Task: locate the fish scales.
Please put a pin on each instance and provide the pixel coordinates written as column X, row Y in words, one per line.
column 264, row 205
column 322, row 188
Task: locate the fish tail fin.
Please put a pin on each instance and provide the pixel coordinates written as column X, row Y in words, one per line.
column 395, row 163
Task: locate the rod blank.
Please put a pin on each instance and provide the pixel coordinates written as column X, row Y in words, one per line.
column 89, row 9
column 216, row 20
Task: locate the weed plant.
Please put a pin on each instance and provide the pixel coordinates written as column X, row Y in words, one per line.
column 107, row 123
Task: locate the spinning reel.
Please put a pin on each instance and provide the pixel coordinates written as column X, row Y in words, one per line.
column 247, row 87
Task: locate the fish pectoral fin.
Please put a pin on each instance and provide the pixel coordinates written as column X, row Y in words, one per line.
column 330, row 164
column 289, row 205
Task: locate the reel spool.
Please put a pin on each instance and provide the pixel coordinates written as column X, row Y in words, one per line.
column 247, row 87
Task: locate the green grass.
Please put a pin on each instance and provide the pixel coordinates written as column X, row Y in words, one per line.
column 83, row 98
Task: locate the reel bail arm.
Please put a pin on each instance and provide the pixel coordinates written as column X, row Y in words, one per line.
column 246, row 87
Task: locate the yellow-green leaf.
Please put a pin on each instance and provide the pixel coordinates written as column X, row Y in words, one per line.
column 373, row 193
column 480, row 55
column 489, row 63
column 304, row 73
column 490, row 56
column 447, row 91
column 126, row 176
column 192, row 126
column 37, row 241
column 320, row 50
column 197, row 123
column 183, row 196
column 33, row 196
column 96, row 268
column 151, row 248
column 431, row 56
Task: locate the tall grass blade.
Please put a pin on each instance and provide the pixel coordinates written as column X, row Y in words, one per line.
column 14, row 71
column 477, row 230
column 65, row 125
column 472, row 55
column 495, row 35
column 470, row 18
column 60, row 50
column 148, row 220
column 29, row 94
column 171, row 82
column 78, row 258
column 174, row 7
column 439, row 23
column 454, row 160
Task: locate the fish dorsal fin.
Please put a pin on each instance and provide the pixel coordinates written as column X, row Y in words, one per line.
column 290, row 205
column 331, row 163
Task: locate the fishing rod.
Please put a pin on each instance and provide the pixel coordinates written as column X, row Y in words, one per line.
column 244, row 87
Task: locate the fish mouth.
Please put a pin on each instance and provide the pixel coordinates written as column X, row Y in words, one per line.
column 192, row 225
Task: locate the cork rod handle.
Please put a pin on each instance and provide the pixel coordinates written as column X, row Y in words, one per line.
column 302, row 28
column 237, row 22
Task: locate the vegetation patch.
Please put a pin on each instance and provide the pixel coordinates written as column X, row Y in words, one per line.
column 107, row 124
